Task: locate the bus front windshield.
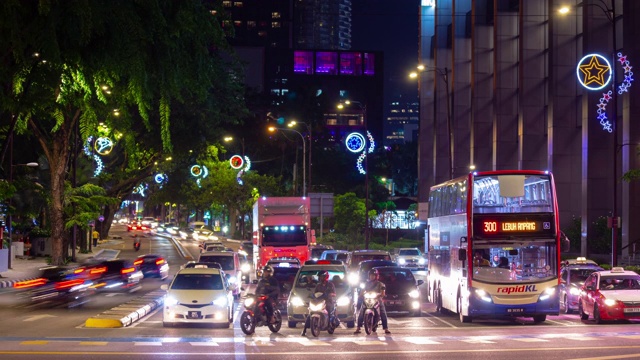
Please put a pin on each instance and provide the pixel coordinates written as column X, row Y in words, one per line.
column 514, row 263
column 284, row 235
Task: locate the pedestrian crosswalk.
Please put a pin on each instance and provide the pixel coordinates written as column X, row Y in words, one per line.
column 357, row 341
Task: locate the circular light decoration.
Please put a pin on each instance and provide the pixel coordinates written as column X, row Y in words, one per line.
column 594, row 72
column 355, row 142
column 103, row 145
column 239, row 177
column 236, row 162
column 199, row 172
column 247, row 162
column 161, row 178
column 607, row 96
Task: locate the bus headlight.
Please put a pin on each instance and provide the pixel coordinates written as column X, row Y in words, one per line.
column 482, row 295
column 547, row 293
column 343, row 301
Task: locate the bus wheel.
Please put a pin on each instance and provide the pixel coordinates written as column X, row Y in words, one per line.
column 437, row 299
column 539, row 318
column 463, row 318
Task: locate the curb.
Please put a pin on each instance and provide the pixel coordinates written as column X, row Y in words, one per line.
column 9, row 283
column 127, row 313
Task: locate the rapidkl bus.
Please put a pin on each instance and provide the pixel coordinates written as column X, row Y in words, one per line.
column 494, row 245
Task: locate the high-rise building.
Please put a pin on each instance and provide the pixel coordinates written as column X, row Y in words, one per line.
column 322, row 24
column 501, row 90
column 401, row 122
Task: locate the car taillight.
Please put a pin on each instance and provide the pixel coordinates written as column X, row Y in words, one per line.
column 69, row 283
column 127, row 270
column 29, row 283
column 137, row 262
column 159, row 261
column 79, row 271
column 98, row 270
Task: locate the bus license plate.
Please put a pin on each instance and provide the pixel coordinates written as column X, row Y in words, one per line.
column 515, row 310
column 631, row 310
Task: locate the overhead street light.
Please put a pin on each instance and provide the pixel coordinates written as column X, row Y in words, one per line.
column 304, row 155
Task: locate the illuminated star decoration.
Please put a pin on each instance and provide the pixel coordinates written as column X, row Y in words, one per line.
column 606, row 97
column 88, row 151
column 594, row 72
column 357, row 143
column 103, row 145
column 199, row 172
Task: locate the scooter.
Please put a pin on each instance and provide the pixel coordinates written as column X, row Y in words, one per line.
column 136, row 244
column 254, row 314
column 371, row 312
column 320, row 318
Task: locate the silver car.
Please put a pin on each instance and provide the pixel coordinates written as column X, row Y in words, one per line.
column 304, row 285
column 409, row 258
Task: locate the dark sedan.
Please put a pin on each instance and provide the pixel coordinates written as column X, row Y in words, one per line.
column 152, row 265
column 360, row 276
column 57, row 286
column 402, row 294
column 115, row 275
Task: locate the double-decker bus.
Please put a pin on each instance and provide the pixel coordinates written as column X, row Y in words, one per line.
column 494, row 245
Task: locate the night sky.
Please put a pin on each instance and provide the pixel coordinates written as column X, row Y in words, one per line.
column 392, row 27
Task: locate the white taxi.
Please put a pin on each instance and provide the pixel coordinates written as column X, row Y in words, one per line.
column 198, row 295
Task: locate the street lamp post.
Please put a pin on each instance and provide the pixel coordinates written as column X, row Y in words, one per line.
column 293, row 123
column 304, row 155
column 444, row 74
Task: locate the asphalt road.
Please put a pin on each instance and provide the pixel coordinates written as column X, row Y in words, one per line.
column 35, row 332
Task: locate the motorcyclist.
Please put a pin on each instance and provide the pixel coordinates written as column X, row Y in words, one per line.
column 270, row 287
column 372, row 285
column 328, row 291
column 136, row 242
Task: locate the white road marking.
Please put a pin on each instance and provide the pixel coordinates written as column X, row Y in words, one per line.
column 38, row 317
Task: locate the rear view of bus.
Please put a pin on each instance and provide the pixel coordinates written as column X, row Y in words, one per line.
column 507, row 263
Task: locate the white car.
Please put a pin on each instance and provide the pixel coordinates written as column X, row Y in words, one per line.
column 198, row 296
column 230, row 263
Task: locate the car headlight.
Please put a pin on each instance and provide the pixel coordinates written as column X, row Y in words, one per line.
column 421, row 261
column 370, row 295
column 245, row 268
column 170, row 301
column 402, row 261
column 297, row 301
column 414, row 294
column 574, row 291
column 232, row 279
column 248, row 302
column 354, row 279
column 221, row 301
column 343, row 301
column 610, row 302
column 547, row 293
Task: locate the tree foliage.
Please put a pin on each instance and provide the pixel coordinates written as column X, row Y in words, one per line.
column 74, row 64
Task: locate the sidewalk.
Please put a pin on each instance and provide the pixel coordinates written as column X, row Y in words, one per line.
column 24, row 268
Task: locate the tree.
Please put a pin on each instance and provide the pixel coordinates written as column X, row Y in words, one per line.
column 349, row 214
column 127, row 64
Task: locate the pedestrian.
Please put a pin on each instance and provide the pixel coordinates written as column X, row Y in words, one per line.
column 96, row 237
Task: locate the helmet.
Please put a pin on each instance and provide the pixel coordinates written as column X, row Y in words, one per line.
column 323, row 276
column 373, row 272
column 267, row 268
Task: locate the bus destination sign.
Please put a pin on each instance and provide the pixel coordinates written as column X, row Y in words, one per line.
column 498, row 226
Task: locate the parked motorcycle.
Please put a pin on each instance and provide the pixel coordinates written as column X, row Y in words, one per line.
column 371, row 312
column 320, row 318
column 254, row 314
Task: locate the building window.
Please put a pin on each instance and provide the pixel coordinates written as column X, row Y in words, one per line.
column 226, row 23
column 237, row 23
column 327, row 62
column 275, row 15
column 238, row 4
column 226, row 4
column 262, row 33
column 251, row 24
column 350, row 63
column 275, row 24
column 303, row 62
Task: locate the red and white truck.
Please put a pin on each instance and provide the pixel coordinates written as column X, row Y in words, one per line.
column 281, row 228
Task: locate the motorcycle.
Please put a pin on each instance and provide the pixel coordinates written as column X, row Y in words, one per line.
column 136, row 244
column 371, row 312
column 254, row 314
column 319, row 315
